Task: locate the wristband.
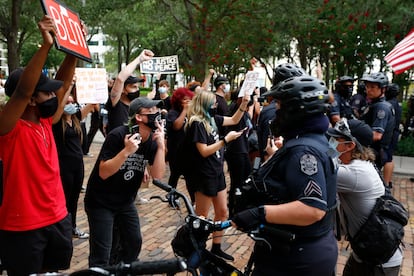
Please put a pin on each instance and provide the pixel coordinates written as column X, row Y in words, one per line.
column 242, row 110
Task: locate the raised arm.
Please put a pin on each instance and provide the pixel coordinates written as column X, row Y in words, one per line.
column 17, row 103
column 118, row 87
column 207, row 79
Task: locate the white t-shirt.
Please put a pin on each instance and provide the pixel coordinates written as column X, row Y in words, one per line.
column 358, row 186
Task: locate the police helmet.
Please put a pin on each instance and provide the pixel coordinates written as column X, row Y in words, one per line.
column 345, row 79
column 304, row 95
column 285, row 71
column 282, row 72
column 392, row 91
column 379, row 78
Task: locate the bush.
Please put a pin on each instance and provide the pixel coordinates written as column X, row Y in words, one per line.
column 405, row 147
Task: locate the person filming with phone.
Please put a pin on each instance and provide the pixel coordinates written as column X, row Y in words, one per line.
column 116, row 178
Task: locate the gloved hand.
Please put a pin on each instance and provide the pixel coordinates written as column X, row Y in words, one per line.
column 249, row 219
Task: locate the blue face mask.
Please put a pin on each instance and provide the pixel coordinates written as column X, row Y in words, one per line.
column 162, row 90
column 70, row 109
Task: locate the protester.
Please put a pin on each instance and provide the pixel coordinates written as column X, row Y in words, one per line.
column 204, row 149
column 124, row 90
column 68, row 136
column 116, row 178
column 164, row 96
column 176, row 120
column 359, row 186
column 35, row 227
column 301, row 180
column 237, row 152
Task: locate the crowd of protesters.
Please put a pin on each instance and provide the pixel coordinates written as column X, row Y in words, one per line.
column 296, row 119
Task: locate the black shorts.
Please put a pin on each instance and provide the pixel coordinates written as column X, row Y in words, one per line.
column 45, row 249
column 212, row 185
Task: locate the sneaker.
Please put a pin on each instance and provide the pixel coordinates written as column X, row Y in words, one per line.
column 79, row 234
column 141, row 200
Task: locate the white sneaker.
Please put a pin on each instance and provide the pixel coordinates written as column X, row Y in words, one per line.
column 141, row 200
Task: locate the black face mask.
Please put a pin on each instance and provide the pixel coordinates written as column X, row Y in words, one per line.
column 133, row 95
column 48, row 108
column 152, row 118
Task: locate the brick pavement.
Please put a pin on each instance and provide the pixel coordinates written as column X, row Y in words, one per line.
column 159, row 223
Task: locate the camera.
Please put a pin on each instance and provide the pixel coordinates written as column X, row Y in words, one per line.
column 261, row 99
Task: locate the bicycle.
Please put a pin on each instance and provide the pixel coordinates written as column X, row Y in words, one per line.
column 189, row 245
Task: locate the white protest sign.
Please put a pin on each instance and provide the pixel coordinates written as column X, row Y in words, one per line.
column 163, row 65
column 91, row 85
column 249, row 83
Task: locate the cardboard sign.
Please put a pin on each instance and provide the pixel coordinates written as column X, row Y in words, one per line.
column 249, row 84
column 69, row 37
column 91, row 85
column 163, row 65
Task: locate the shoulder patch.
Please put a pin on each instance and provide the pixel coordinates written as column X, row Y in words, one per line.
column 381, row 114
column 312, row 189
column 308, row 164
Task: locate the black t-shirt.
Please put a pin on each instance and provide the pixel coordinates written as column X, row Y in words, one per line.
column 204, row 167
column 117, row 115
column 165, row 103
column 68, row 145
column 176, row 138
column 121, row 188
column 241, row 144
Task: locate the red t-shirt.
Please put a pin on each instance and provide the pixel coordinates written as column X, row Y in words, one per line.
column 33, row 195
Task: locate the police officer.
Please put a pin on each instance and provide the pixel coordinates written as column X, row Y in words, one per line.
column 301, row 179
column 391, row 95
column 267, row 114
column 358, row 101
column 379, row 115
column 341, row 107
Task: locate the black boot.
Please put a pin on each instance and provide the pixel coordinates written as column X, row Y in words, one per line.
column 216, row 250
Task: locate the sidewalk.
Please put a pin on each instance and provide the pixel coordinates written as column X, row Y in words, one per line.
column 159, row 224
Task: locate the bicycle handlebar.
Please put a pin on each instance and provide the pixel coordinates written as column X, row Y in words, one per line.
column 137, row 268
column 206, row 225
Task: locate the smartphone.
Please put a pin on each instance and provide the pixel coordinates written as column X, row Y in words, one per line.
column 135, row 129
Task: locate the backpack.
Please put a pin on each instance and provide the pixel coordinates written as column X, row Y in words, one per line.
column 380, row 236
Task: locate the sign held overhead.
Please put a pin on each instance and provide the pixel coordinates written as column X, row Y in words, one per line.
column 69, row 36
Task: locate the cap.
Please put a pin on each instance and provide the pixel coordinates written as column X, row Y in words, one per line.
column 353, row 130
column 220, row 80
column 132, row 79
column 44, row 84
column 142, row 102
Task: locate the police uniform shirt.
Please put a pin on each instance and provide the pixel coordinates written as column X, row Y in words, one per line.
column 380, row 117
column 341, row 107
column 119, row 189
column 306, row 173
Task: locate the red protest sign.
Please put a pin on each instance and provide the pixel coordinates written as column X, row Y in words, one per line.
column 69, row 37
